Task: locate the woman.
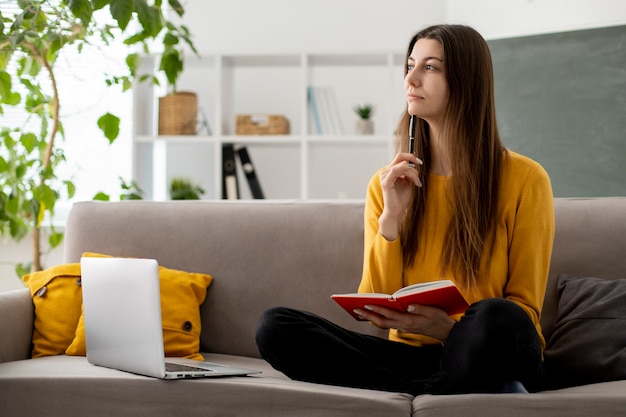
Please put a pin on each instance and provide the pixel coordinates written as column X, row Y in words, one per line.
column 467, row 210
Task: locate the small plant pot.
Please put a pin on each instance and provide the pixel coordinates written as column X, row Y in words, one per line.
column 364, row 127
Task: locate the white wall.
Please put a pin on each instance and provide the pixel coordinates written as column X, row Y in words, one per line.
column 503, row 19
column 12, row 253
column 313, row 26
column 334, row 26
column 288, row 26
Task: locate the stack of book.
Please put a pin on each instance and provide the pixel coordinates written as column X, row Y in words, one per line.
column 323, row 111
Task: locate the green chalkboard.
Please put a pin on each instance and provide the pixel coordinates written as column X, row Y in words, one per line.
column 561, row 100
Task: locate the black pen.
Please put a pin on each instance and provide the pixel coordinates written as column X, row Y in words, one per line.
column 412, row 137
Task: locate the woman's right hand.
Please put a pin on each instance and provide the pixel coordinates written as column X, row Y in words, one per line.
column 397, row 182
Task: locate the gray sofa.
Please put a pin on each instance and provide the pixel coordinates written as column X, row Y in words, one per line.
column 262, row 254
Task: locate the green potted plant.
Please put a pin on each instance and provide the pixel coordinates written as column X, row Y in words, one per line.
column 31, row 41
column 178, row 110
column 185, row 189
column 364, row 125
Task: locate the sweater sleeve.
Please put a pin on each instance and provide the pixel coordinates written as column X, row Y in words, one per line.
column 382, row 259
column 530, row 249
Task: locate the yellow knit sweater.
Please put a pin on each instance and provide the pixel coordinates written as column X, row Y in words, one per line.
column 517, row 268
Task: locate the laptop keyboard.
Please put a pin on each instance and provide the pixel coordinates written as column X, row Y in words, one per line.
column 175, row 367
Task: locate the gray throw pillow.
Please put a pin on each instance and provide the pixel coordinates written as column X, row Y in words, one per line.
column 588, row 344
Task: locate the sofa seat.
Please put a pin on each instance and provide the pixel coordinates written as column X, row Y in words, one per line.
column 599, row 400
column 36, row 387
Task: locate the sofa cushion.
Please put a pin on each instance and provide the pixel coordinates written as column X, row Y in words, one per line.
column 182, row 293
column 588, row 343
column 57, row 299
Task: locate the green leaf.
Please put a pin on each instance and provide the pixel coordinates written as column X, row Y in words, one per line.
column 172, row 65
column 30, row 67
column 23, row 268
column 122, row 11
column 20, row 172
column 29, row 141
column 127, row 84
column 133, row 61
column 5, row 84
column 170, row 39
column 5, row 58
column 48, row 197
column 55, row 239
column 149, row 17
column 6, row 95
column 71, row 189
column 8, row 140
column 12, row 206
column 55, row 43
column 101, row 197
column 99, row 4
column 13, row 99
column 110, row 126
column 81, row 9
column 41, row 20
column 18, row 229
column 136, row 38
column 177, row 7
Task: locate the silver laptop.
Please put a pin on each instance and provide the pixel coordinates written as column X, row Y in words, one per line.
column 123, row 327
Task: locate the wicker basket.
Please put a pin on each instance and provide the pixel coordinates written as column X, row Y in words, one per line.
column 261, row 124
column 178, row 114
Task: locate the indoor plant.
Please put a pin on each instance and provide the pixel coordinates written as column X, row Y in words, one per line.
column 185, row 189
column 31, row 42
column 364, row 124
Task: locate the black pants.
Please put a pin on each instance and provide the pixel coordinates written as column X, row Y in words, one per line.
column 494, row 343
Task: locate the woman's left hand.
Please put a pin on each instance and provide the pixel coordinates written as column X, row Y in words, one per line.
column 419, row 319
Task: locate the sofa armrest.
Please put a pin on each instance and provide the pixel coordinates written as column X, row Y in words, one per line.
column 17, row 315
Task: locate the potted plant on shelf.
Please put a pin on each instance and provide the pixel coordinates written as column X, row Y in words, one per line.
column 185, row 189
column 364, row 125
column 31, row 41
column 178, row 110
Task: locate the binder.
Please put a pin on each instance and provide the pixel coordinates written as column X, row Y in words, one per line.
column 250, row 171
column 230, row 185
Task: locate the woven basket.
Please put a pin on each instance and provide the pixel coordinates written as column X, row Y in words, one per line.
column 178, row 114
column 261, row 124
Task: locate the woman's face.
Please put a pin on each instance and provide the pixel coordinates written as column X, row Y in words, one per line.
column 425, row 83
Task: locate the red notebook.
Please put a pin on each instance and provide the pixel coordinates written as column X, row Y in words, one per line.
column 443, row 294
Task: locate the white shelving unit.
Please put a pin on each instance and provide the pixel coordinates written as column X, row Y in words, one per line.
column 301, row 165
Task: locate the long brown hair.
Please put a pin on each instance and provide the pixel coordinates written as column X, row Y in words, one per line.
column 475, row 147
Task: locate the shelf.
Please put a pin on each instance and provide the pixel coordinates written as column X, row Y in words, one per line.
column 262, row 139
column 267, row 139
column 175, row 139
column 361, row 60
column 300, row 165
column 349, row 139
column 262, row 60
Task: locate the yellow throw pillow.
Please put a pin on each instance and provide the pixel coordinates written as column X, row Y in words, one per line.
column 182, row 293
column 57, row 298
